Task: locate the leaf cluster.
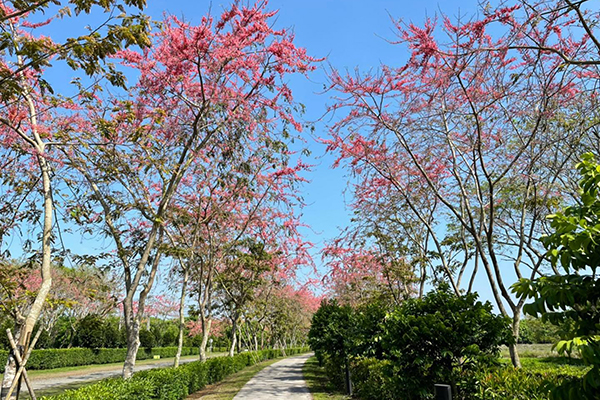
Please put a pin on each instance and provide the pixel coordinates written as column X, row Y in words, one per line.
column 575, row 246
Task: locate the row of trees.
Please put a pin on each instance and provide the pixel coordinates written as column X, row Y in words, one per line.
column 84, row 310
column 460, row 154
column 188, row 164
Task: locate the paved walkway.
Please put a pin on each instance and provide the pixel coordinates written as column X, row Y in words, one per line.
column 282, row 380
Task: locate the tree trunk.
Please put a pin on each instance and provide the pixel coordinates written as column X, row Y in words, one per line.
column 233, row 337
column 133, row 344
column 133, row 319
column 181, row 317
column 512, row 349
column 206, row 324
column 26, row 330
column 239, row 339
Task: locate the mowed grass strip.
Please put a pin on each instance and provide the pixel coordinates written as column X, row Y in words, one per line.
column 319, row 385
column 230, row 386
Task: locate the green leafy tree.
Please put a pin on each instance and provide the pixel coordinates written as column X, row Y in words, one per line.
column 147, row 339
column 575, row 295
column 442, row 338
column 332, row 336
column 91, row 332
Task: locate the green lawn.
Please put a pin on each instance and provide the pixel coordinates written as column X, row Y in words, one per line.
column 532, row 350
column 318, row 384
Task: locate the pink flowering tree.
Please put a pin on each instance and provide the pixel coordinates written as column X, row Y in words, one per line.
column 203, row 92
column 482, row 124
column 218, row 205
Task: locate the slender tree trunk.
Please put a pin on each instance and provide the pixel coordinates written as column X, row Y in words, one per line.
column 26, row 330
column 133, row 344
column 133, row 319
column 206, row 324
column 233, row 337
column 181, row 317
column 512, row 349
column 239, row 339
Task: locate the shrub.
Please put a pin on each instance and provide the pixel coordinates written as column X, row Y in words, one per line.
column 371, row 379
column 442, row 338
column 509, row 383
column 170, row 383
column 147, row 339
column 91, row 332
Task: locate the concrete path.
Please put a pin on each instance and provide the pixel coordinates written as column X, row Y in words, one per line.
column 282, row 380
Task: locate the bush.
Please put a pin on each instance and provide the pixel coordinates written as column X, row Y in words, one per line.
column 371, row 379
column 147, row 339
column 170, row 383
column 525, row 384
column 441, row 338
column 58, row 358
column 533, row 330
column 91, row 332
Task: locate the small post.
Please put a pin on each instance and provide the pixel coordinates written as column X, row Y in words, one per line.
column 348, row 378
column 443, row 392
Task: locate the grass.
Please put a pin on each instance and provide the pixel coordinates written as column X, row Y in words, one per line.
column 319, row 385
column 532, row 350
column 230, row 386
column 541, row 358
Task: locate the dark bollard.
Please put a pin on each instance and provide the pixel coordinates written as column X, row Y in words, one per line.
column 443, row 392
column 348, row 379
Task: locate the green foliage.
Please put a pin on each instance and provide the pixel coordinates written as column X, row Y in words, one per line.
column 91, row 332
column 439, row 338
column 332, row 331
column 534, row 330
column 147, row 339
column 574, row 296
column 540, row 378
column 442, row 338
column 372, row 379
column 58, row 358
column 171, row 383
column 86, row 52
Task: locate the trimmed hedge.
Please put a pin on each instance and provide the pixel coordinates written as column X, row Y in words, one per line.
column 58, row 358
column 171, row 383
